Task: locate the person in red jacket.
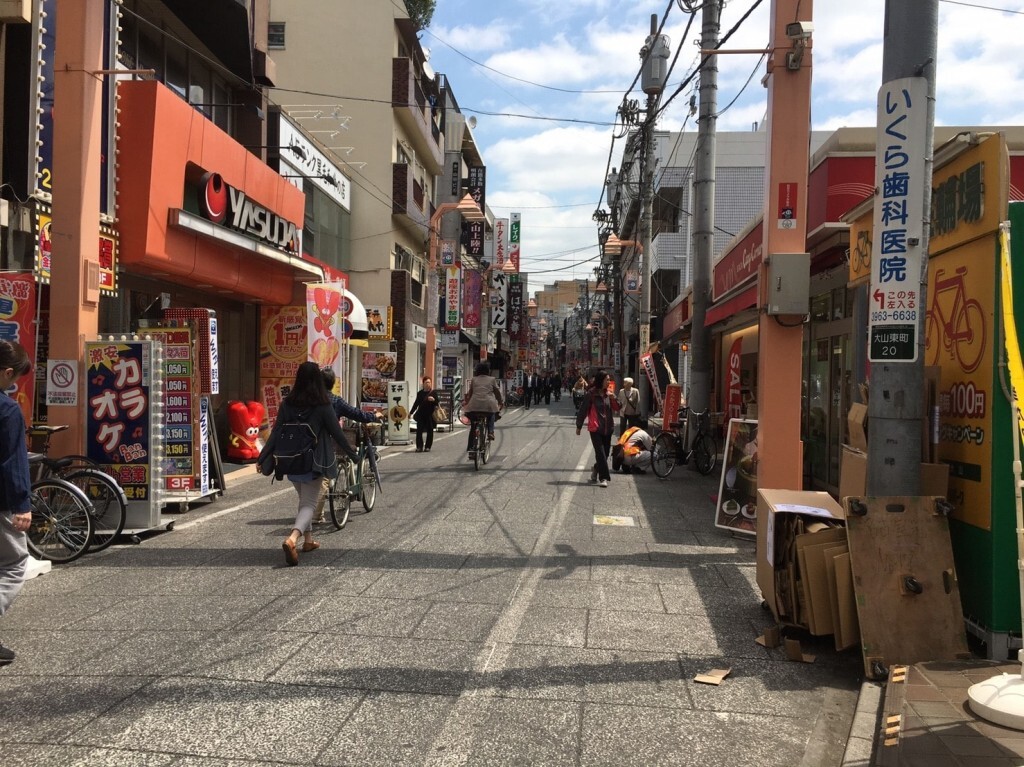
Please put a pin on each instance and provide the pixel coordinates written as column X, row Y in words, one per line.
column 598, row 410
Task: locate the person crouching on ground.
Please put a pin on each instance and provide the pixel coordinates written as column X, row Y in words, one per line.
column 598, row 410
column 483, row 397
column 637, row 446
column 422, row 411
column 308, row 402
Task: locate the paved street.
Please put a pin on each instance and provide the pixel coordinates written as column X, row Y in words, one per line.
column 473, row 618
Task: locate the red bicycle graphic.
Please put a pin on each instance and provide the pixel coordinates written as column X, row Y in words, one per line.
column 962, row 331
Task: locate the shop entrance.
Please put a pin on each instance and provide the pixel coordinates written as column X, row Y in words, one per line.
column 827, row 389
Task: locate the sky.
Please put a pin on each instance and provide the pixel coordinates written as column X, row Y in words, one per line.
column 544, row 79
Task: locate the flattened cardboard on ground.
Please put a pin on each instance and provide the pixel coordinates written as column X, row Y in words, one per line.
column 848, row 634
column 853, row 475
column 772, row 637
column 829, row 555
column 901, row 537
column 776, row 575
column 714, row 676
column 820, row 596
column 796, row 653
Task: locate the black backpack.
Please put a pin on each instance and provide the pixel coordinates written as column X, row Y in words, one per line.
column 294, row 448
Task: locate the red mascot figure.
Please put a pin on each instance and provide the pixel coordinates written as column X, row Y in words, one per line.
column 244, row 418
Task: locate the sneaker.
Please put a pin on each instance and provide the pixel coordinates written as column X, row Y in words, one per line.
column 603, row 483
column 6, row 655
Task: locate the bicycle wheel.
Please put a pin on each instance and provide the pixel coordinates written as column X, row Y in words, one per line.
column 61, row 527
column 476, row 446
column 368, row 483
column 338, row 499
column 705, row 453
column 486, row 444
column 109, row 503
column 663, row 454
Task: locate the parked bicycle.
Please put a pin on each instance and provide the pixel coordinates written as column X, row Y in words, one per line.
column 61, row 528
column 670, row 447
column 109, row 502
column 358, row 479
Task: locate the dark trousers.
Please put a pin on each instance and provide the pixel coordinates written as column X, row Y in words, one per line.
column 527, row 394
column 602, row 446
column 424, row 429
column 628, row 421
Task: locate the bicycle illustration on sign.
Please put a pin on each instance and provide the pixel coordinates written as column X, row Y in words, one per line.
column 961, row 332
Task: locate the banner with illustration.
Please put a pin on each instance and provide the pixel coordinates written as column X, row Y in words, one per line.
column 17, row 323
column 472, row 289
column 324, row 337
column 379, row 323
column 736, row 509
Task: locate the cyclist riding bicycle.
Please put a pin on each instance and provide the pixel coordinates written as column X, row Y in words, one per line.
column 483, row 398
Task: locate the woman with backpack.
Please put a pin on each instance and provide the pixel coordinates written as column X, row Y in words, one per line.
column 597, row 411
column 299, row 448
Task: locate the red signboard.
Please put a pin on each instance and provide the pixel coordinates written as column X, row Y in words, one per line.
column 740, row 264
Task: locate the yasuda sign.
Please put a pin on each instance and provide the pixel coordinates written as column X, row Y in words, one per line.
column 221, row 203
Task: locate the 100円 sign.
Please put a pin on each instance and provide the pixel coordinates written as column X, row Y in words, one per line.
column 900, row 168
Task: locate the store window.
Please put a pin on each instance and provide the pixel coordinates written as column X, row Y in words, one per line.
column 325, row 230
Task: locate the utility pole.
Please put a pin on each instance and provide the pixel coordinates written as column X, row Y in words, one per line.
column 654, row 73
column 704, row 211
column 896, row 403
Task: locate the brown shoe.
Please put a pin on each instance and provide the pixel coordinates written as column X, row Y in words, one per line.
column 291, row 556
column 311, row 546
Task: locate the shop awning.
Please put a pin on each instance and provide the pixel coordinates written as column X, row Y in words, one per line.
column 354, row 326
column 723, row 310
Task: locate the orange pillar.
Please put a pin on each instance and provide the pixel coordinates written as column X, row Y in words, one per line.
column 77, row 98
column 780, row 340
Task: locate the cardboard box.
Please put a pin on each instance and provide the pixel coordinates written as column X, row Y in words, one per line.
column 853, row 475
column 857, row 423
column 787, row 521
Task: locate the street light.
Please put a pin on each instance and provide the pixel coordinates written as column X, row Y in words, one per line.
column 470, row 211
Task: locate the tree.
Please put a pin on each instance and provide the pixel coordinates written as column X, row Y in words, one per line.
column 421, row 12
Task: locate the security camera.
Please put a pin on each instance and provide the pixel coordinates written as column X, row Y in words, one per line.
column 799, row 30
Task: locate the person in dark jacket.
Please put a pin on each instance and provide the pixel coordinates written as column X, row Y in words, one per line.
column 422, row 411
column 597, row 411
column 308, row 402
column 15, row 483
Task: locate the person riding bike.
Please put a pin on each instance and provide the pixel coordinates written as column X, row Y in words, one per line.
column 483, row 398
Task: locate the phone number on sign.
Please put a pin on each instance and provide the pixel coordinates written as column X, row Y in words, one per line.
column 899, row 315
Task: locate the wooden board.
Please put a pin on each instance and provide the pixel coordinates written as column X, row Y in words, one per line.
column 849, row 628
column 897, row 538
column 828, row 556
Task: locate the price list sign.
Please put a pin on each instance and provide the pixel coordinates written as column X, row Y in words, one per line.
column 900, row 167
column 181, row 415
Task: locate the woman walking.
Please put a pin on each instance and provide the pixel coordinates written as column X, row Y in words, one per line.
column 308, row 403
column 598, row 410
column 422, row 412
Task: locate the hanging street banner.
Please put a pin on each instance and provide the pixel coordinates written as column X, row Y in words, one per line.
column 499, row 300
column 900, row 167
column 447, row 253
column 500, row 241
column 472, row 291
column 515, row 310
column 514, row 230
column 473, row 232
column 452, row 297
column 323, row 334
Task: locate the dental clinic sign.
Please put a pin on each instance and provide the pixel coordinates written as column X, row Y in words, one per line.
column 221, row 203
column 900, row 167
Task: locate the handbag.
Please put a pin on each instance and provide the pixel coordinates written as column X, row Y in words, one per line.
column 440, row 415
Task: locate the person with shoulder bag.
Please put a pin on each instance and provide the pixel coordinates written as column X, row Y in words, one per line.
column 597, row 411
column 629, row 405
column 307, row 464
column 422, row 411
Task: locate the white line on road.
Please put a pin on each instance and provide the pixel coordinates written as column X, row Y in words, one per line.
column 453, row 744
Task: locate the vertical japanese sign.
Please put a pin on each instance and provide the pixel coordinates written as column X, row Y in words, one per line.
column 516, row 325
column 474, row 238
column 118, row 430
column 478, row 185
column 900, row 167
column 500, row 242
column 378, row 323
column 452, row 297
column 472, row 289
column 17, row 324
column 447, row 253
column 514, row 230
column 499, row 300
column 181, row 408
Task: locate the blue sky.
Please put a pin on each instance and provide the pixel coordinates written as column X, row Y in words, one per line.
column 586, row 53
